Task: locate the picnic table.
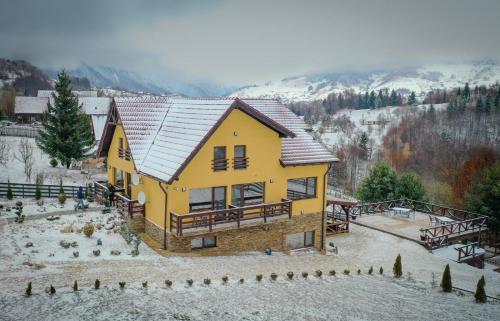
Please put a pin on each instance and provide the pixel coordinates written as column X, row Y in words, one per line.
column 401, row 211
column 441, row 220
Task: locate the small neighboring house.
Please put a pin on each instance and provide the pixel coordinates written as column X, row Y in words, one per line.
column 216, row 175
column 31, row 109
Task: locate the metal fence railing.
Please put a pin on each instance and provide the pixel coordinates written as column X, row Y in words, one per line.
column 28, row 190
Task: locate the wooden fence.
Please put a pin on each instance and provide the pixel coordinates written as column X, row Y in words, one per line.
column 19, row 131
column 28, row 190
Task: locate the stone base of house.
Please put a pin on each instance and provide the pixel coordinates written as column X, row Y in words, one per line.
column 251, row 237
column 137, row 222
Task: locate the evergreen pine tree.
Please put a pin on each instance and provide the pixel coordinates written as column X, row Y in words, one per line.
column 452, row 106
column 380, row 99
column 75, row 286
column 379, row 185
column 466, row 93
column 410, row 187
column 479, row 104
column 372, row 100
column 363, row 143
column 483, row 197
column 66, row 133
column 480, row 294
column 366, row 100
column 9, row 195
column 397, row 269
column 487, row 104
column 38, row 192
column 446, row 280
column 393, row 101
column 412, row 100
column 496, row 103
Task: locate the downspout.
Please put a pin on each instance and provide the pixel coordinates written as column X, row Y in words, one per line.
column 164, row 217
column 323, row 210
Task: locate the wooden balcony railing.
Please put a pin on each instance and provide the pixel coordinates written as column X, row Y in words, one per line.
column 207, row 220
column 219, row 164
column 240, row 162
column 99, row 188
column 126, row 206
column 124, row 153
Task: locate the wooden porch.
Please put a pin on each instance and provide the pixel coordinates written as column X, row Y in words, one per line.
column 230, row 217
column 125, row 205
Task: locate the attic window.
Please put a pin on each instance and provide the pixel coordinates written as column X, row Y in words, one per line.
column 219, row 163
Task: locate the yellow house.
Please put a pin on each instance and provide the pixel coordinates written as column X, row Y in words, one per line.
column 217, row 174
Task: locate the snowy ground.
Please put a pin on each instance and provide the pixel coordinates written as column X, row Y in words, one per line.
column 32, row 208
column 14, row 169
column 343, row 297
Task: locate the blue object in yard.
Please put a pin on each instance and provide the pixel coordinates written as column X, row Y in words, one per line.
column 99, row 242
column 269, row 251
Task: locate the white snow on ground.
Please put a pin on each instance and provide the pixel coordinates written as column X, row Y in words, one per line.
column 333, row 136
column 31, row 208
column 14, row 169
column 343, row 298
column 45, row 236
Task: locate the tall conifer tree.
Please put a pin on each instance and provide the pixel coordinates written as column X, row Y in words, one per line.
column 66, row 134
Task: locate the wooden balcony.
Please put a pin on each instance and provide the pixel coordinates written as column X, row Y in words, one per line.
column 219, row 164
column 124, row 153
column 126, row 206
column 240, row 162
column 230, row 217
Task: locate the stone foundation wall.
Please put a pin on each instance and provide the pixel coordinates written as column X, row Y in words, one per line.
column 137, row 222
column 154, row 231
column 255, row 237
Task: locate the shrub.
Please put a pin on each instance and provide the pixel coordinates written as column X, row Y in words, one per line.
column 145, row 284
column 168, row 283
column 62, row 198
column 207, row 281
column 189, row 282
column 331, row 244
column 346, row 272
column 96, row 252
column 332, row 272
column 397, row 269
column 242, row 280
column 274, row 276
column 9, row 195
column 446, row 284
column 88, row 193
column 258, row 277
column 370, row 271
column 480, row 294
column 88, row 230
column 75, row 286
column 225, row 278
column 381, row 270
column 19, row 212
column 53, row 162
column 319, row 273
column 304, row 275
column 38, row 192
column 290, row 275
column 97, row 284
column 359, row 271
column 122, row 284
column 52, row 290
column 28, row 289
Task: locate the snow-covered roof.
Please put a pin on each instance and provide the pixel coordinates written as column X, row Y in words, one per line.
column 30, row 105
column 98, row 123
column 164, row 133
column 79, row 93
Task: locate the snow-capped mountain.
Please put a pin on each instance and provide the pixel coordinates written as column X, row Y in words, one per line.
column 419, row 79
column 110, row 77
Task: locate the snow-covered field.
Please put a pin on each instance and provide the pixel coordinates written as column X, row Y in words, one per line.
column 31, row 208
column 355, row 297
column 14, row 169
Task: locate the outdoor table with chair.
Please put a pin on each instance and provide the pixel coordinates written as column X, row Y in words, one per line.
column 439, row 220
column 404, row 212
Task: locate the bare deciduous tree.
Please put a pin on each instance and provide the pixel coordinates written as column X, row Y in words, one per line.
column 25, row 155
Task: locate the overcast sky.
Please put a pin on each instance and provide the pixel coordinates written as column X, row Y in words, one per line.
column 242, row 42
